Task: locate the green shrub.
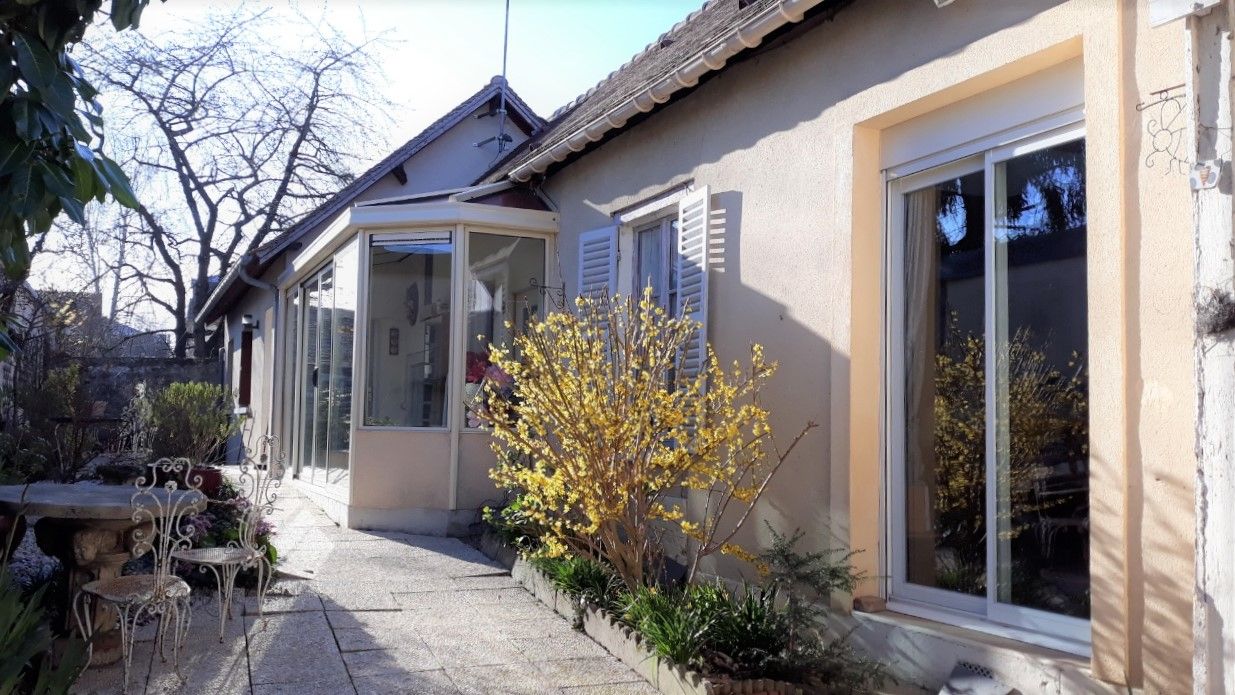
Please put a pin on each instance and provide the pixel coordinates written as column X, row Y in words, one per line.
column 24, row 457
column 54, row 434
column 513, row 523
column 771, row 630
column 674, row 627
column 584, row 578
column 26, row 664
column 192, row 419
column 704, row 626
column 748, row 634
column 807, row 581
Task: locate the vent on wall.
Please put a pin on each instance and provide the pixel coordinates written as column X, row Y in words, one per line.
column 974, row 679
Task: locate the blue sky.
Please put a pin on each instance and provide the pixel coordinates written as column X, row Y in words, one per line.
column 441, row 51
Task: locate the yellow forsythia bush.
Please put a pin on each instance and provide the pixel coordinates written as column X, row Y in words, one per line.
column 607, row 425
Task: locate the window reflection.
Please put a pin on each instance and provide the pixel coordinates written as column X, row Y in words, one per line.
column 1035, row 300
column 503, row 295
column 1041, row 383
column 945, row 425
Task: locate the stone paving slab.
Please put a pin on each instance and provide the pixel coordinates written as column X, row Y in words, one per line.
column 381, row 613
column 404, row 659
column 555, row 648
column 640, row 688
column 298, row 603
column 414, row 683
column 505, row 679
column 457, row 651
column 587, row 671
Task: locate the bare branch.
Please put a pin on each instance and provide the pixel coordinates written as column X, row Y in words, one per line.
column 239, row 138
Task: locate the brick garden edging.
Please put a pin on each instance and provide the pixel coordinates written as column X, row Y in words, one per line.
column 620, row 640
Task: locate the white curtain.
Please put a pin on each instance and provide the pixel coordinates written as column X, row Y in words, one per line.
column 921, row 311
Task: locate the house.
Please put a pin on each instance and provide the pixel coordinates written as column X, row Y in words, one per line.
column 966, row 232
column 298, row 366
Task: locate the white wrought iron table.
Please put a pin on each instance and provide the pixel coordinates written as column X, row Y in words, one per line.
column 89, row 528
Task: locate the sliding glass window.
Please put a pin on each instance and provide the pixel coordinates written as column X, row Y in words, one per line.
column 323, row 309
column 989, row 420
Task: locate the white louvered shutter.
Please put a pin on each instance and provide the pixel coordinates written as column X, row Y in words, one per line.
column 598, row 262
column 694, row 212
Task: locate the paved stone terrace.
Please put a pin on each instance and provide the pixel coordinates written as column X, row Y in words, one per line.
column 384, row 613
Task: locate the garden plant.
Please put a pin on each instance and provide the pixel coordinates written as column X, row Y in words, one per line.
column 191, row 419
column 606, row 424
column 599, row 426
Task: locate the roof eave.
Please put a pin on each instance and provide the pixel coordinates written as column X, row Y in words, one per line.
column 212, row 310
column 750, row 34
column 382, row 169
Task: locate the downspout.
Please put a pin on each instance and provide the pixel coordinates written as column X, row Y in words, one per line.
column 274, row 353
column 749, row 35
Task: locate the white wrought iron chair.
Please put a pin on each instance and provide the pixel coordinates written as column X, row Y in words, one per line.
column 159, row 507
column 260, row 478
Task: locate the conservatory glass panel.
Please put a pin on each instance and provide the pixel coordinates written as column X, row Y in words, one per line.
column 409, row 333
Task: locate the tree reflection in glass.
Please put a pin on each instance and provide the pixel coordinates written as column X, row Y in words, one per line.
column 1041, row 387
column 1039, row 414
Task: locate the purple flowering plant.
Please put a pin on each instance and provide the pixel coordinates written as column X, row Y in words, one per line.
column 220, row 524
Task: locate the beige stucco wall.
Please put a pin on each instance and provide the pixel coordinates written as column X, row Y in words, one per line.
column 260, row 307
column 452, row 160
column 789, row 144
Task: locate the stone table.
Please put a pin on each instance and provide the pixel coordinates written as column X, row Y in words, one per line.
column 89, row 528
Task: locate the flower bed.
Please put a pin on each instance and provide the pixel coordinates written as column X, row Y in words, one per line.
column 600, row 426
column 620, row 639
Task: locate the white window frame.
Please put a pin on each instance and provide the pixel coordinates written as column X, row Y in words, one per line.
column 668, row 257
column 361, row 373
column 659, row 213
column 983, row 613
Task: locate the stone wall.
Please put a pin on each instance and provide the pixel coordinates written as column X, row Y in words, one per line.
column 112, row 380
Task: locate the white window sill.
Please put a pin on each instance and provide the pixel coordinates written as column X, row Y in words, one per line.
column 960, row 627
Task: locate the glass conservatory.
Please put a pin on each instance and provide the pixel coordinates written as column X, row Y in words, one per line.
column 387, row 319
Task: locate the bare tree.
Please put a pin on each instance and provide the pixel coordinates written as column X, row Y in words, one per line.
column 101, row 257
column 240, row 137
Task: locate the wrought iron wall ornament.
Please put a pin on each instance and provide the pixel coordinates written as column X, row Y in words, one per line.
column 554, row 293
column 1166, row 120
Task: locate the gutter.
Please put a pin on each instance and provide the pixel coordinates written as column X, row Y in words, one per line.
column 225, row 282
column 748, row 35
column 249, row 279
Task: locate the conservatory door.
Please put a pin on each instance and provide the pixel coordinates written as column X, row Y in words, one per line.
column 324, row 380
